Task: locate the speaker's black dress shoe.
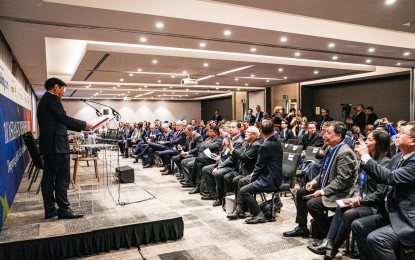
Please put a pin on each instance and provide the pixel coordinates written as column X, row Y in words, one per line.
column 260, row 218
column 68, row 214
column 321, row 249
column 299, row 231
column 209, row 197
column 236, row 214
column 51, row 214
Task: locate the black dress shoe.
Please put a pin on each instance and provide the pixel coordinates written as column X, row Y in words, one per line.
column 331, row 254
column 188, row 185
column 136, row 160
column 165, row 168
column 195, row 191
column 260, row 218
column 236, row 214
column 209, row 197
column 204, row 194
column 216, row 203
column 51, row 214
column 68, row 214
column 299, row 231
column 167, row 172
column 321, row 249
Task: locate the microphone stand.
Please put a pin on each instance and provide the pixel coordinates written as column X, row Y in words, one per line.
column 114, row 112
column 96, row 110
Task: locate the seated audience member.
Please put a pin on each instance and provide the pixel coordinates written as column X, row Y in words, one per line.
column 334, row 182
column 214, row 144
column 150, row 136
column 250, row 117
column 325, row 117
column 382, row 124
column 298, row 120
column 312, row 138
column 127, row 132
column 369, row 129
column 176, row 143
column 267, row 176
column 290, row 117
column 285, row 133
column 213, row 173
column 378, row 236
column 356, row 135
column 190, row 150
column 277, row 117
column 167, row 135
column 364, row 200
column 245, row 157
column 201, row 129
column 302, row 132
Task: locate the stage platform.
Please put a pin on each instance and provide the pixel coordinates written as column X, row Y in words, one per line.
column 113, row 218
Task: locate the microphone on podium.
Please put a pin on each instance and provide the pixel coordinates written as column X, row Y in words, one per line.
column 96, row 110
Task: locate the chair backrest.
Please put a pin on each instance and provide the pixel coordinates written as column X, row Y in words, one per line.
column 310, row 153
column 289, row 166
column 292, row 141
column 296, row 149
column 33, row 149
column 281, row 140
column 287, row 147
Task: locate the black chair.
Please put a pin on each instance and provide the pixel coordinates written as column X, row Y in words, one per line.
column 289, row 169
column 292, row 141
column 287, row 147
column 37, row 159
column 310, row 153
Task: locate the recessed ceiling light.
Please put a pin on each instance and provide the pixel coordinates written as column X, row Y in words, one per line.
column 143, row 39
column 155, row 61
column 172, row 76
column 280, row 69
column 128, row 92
column 164, row 94
column 297, row 54
column 139, row 88
column 398, row 64
column 196, row 93
column 180, row 96
column 159, row 25
column 246, row 84
column 152, row 97
column 171, row 97
column 316, row 72
column 252, row 75
column 86, row 86
column 186, row 95
column 205, row 64
column 131, row 74
column 285, row 78
column 145, row 86
column 390, row 2
column 159, row 81
column 227, row 32
column 371, row 50
column 121, row 79
column 238, row 89
column 217, row 88
column 158, row 95
column 283, row 39
column 253, row 49
column 184, row 72
column 100, row 91
column 171, row 87
column 217, row 83
column 114, row 87
column 334, row 58
column 368, row 61
column 406, row 53
column 118, row 85
column 139, row 69
column 236, row 79
column 331, row 45
column 202, row 45
column 267, row 80
column 187, row 89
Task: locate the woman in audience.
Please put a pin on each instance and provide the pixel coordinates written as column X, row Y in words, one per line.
column 276, row 117
column 365, row 197
column 297, row 121
column 369, row 129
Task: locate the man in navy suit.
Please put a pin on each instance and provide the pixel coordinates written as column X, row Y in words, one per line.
column 377, row 236
column 267, row 176
column 54, row 146
column 285, row 133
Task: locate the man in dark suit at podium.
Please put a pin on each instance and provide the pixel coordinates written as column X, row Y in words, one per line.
column 54, row 146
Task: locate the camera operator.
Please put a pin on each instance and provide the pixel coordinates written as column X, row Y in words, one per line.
column 358, row 119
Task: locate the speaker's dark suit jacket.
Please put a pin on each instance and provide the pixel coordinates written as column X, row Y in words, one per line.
column 401, row 190
column 267, row 174
column 54, row 124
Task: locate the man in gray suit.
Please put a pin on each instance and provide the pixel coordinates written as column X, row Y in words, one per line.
column 379, row 235
column 336, row 177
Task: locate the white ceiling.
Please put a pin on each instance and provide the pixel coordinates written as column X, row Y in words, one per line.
column 94, row 45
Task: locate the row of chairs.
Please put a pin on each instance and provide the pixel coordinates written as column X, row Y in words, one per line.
column 296, row 140
column 292, row 148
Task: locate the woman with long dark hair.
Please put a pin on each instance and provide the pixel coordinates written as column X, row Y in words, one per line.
column 364, row 199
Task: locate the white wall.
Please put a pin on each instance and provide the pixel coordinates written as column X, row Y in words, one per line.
column 256, row 98
column 137, row 110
